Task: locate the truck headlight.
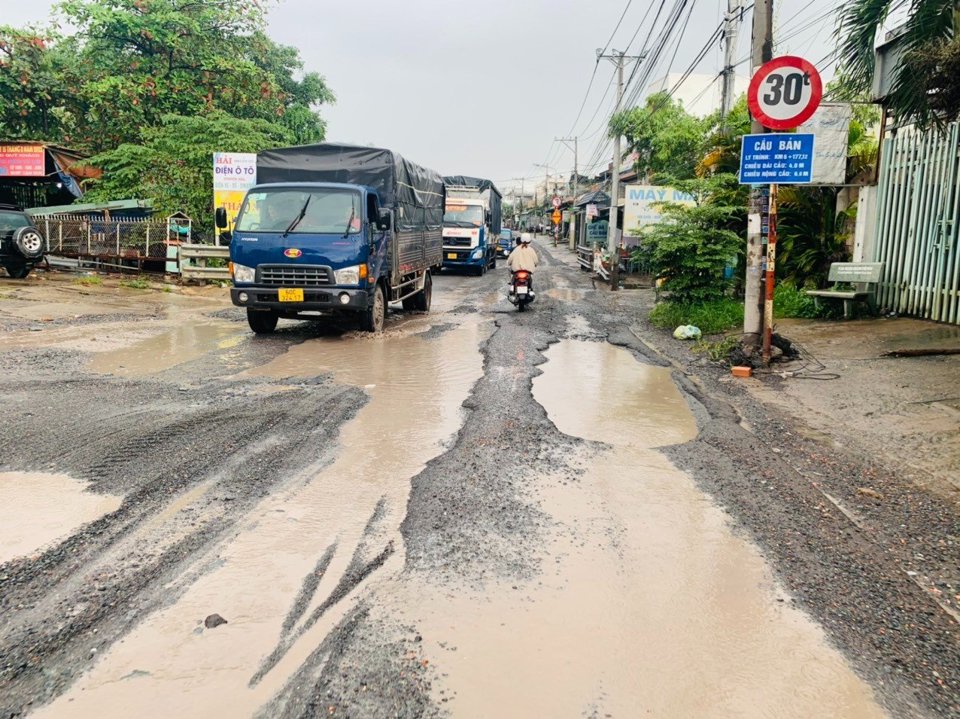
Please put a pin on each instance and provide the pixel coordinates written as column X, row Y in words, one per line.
column 242, row 273
column 477, row 254
column 347, row 276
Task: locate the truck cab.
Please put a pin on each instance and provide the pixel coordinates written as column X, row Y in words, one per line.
column 471, row 223
column 309, row 249
column 467, row 243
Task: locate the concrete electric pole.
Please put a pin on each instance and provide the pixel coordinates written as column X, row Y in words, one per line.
column 613, row 238
column 731, row 29
column 576, row 183
column 762, row 51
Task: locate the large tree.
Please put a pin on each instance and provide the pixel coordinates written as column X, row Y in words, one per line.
column 153, row 87
column 667, row 139
column 926, row 86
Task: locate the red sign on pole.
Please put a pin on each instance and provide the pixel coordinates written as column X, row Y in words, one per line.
column 785, row 93
column 20, row 160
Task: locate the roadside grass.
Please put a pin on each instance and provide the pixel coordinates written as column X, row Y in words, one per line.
column 89, row 281
column 718, row 351
column 711, row 317
column 140, row 283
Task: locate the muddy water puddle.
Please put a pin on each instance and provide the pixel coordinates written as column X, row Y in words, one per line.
column 171, row 347
column 293, row 570
column 39, row 509
column 648, row 603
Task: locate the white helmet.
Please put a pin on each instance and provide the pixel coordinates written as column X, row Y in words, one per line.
column 526, row 238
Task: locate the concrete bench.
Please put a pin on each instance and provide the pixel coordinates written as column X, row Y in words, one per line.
column 864, row 276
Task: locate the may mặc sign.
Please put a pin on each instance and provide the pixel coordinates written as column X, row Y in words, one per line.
column 642, row 205
column 22, row 160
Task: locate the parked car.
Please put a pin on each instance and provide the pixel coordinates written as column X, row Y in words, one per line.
column 505, row 242
column 21, row 244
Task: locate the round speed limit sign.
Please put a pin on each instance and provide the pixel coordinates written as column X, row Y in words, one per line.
column 785, row 93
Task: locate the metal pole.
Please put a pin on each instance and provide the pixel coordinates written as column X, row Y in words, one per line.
column 576, row 193
column 771, row 279
column 752, row 317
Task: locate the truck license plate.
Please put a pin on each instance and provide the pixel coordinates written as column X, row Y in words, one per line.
column 290, row 295
column 451, row 255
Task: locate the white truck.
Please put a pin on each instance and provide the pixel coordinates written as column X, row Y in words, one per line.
column 471, row 223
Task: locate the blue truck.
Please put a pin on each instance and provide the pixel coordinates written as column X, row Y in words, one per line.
column 471, row 223
column 335, row 230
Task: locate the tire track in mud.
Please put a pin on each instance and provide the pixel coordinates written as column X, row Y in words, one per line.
column 180, row 498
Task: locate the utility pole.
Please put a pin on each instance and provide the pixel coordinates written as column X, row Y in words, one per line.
column 576, row 185
column 731, row 29
column 762, row 51
column 546, row 182
column 613, row 239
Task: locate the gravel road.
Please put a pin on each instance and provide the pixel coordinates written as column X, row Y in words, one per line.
column 376, row 585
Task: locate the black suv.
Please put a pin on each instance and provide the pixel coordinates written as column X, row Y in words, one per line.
column 21, row 244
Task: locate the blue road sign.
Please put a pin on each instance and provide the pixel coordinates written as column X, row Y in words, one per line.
column 784, row 158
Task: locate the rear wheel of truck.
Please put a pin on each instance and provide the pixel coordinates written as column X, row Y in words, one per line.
column 420, row 302
column 376, row 313
column 263, row 323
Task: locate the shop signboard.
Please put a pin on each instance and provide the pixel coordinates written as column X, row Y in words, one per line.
column 233, row 174
column 22, row 160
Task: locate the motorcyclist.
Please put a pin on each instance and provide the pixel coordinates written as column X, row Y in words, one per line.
column 523, row 257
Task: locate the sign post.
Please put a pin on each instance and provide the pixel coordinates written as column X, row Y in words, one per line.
column 784, row 93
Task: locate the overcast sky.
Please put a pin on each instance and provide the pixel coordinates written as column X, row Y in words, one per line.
column 483, row 88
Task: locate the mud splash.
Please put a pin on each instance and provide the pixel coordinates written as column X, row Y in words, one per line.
column 291, row 573
column 38, row 509
column 172, row 347
column 652, row 605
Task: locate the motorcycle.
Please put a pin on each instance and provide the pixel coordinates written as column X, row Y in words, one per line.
column 521, row 292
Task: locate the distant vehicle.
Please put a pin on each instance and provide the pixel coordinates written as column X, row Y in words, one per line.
column 505, row 243
column 471, row 223
column 335, row 230
column 21, row 244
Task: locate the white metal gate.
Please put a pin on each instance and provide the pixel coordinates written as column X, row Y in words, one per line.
column 917, row 228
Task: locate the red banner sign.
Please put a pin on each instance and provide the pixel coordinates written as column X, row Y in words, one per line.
column 21, row 160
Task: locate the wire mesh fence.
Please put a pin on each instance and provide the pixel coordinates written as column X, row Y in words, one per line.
column 117, row 239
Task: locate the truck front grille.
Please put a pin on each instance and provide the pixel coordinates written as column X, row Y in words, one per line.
column 456, row 241
column 295, row 275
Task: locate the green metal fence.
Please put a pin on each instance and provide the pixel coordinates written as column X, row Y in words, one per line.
column 917, row 228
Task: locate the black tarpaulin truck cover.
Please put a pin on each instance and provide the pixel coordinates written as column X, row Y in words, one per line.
column 481, row 184
column 415, row 193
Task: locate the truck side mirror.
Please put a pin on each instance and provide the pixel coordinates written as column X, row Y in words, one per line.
column 384, row 220
column 220, row 217
column 489, row 217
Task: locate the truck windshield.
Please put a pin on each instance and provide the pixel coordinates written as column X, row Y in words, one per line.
column 463, row 215
column 327, row 211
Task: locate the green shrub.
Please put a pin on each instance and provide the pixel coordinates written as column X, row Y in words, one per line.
column 791, row 301
column 717, row 351
column 711, row 317
column 89, row 280
column 136, row 284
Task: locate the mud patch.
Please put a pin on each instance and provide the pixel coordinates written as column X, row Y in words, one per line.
column 172, row 347
column 648, row 601
column 37, row 509
column 292, row 571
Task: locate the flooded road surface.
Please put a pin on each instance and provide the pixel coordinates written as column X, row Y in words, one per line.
column 290, row 572
column 37, row 509
column 176, row 345
column 648, row 604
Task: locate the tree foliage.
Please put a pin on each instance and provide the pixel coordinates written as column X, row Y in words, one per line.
column 926, row 85
column 691, row 247
column 141, row 77
column 667, row 139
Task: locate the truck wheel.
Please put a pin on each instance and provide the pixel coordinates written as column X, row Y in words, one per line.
column 263, row 323
column 493, row 265
column 376, row 314
column 421, row 301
